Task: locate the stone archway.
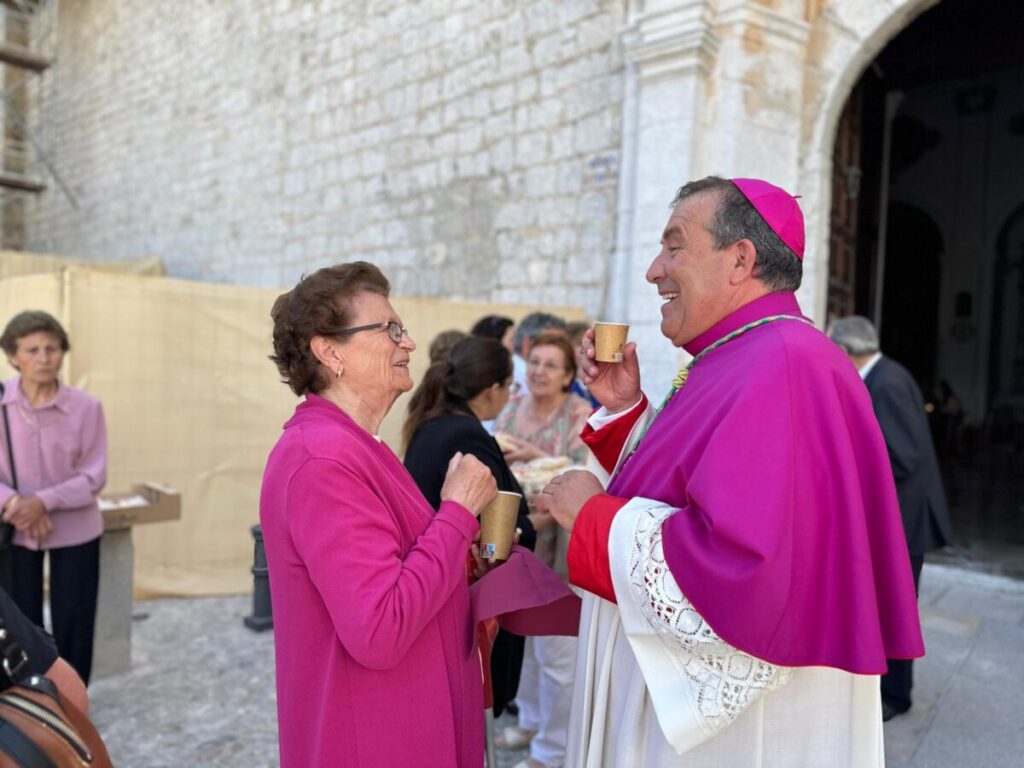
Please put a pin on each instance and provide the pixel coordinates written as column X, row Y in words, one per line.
column 734, row 89
column 936, row 103
column 844, row 39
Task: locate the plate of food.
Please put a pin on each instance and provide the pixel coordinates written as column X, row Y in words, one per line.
column 506, row 442
column 534, row 475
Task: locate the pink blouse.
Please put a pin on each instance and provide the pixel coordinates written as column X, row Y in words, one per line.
column 60, row 455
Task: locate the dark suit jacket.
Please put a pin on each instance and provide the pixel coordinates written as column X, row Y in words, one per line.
column 431, row 448
column 900, row 409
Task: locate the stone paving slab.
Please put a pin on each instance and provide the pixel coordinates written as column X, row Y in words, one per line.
column 967, row 709
column 200, row 693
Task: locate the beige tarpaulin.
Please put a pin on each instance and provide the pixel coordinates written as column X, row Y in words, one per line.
column 192, row 401
column 14, row 263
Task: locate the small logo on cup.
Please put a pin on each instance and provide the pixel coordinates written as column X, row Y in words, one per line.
column 489, row 550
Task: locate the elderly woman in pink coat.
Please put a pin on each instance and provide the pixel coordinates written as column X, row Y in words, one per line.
column 377, row 664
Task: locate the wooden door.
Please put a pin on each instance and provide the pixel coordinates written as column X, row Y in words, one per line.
column 846, row 177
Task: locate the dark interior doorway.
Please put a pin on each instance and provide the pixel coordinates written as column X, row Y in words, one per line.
column 928, row 240
column 910, row 292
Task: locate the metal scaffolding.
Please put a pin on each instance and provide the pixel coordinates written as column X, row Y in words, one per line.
column 28, row 46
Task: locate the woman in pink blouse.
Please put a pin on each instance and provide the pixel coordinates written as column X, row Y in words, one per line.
column 58, row 439
column 377, row 663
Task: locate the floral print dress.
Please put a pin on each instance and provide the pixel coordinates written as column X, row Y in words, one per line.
column 560, row 436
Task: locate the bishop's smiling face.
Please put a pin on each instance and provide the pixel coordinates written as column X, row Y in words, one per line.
column 691, row 275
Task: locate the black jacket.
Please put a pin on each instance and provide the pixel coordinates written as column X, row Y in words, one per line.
column 899, row 407
column 39, row 648
column 431, row 448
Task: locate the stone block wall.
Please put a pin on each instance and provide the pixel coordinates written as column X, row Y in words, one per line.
column 468, row 147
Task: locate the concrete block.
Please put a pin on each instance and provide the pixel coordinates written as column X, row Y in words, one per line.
column 112, row 646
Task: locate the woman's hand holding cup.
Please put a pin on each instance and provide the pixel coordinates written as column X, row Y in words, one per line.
column 469, row 483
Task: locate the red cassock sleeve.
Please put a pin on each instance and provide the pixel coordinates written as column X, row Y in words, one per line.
column 607, row 443
column 588, row 547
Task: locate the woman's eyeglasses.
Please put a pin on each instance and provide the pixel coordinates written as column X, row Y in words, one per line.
column 395, row 330
column 545, row 366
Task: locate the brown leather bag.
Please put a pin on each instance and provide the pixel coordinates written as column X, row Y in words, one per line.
column 40, row 728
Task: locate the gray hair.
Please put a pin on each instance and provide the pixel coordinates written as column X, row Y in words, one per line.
column 856, row 334
column 776, row 264
column 533, row 325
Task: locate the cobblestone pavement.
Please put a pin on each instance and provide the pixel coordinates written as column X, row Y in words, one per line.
column 201, row 690
column 200, row 693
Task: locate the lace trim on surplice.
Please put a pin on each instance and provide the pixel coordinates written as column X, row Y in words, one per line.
column 726, row 679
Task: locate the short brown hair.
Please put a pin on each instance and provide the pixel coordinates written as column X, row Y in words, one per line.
column 442, row 344
column 576, row 330
column 561, row 341
column 29, row 322
column 318, row 304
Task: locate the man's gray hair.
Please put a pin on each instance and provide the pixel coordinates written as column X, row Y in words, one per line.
column 533, row 325
column 776, row 264
column 856, row 334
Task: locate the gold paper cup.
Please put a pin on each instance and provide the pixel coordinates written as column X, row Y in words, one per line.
column 609, row 339
column 498, row 525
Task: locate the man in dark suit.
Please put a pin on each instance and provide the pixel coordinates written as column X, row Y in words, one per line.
column 899, row 406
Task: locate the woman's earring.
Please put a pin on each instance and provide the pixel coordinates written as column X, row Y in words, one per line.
column 338, row 374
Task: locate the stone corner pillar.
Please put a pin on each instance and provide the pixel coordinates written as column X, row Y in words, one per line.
column 669, row 51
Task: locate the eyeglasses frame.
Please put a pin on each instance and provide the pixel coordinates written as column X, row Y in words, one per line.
column 389, row 324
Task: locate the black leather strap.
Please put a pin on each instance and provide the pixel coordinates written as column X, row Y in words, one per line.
column 20, row 748
column 6, row 529
column 13, row 659
column 10, row 448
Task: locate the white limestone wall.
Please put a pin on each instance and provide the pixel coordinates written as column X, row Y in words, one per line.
column 469, row 147
column 514, row 150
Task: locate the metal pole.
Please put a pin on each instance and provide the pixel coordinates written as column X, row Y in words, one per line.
column 262, row 611
column 492, row 760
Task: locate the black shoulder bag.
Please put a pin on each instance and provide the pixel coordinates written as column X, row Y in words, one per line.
column 6, row 529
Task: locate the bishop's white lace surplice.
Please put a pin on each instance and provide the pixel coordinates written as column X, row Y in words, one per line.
column 682, row 658
column 658, row 688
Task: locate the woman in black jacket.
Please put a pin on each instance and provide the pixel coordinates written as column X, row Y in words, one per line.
column 469, row 386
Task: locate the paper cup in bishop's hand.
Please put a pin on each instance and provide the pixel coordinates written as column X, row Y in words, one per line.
column 498, row 525
column 609, row 339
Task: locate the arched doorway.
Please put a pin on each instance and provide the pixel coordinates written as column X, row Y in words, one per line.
column 922, row 236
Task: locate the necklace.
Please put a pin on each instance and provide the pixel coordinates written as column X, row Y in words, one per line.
column 680, row 378
column 37, row 416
